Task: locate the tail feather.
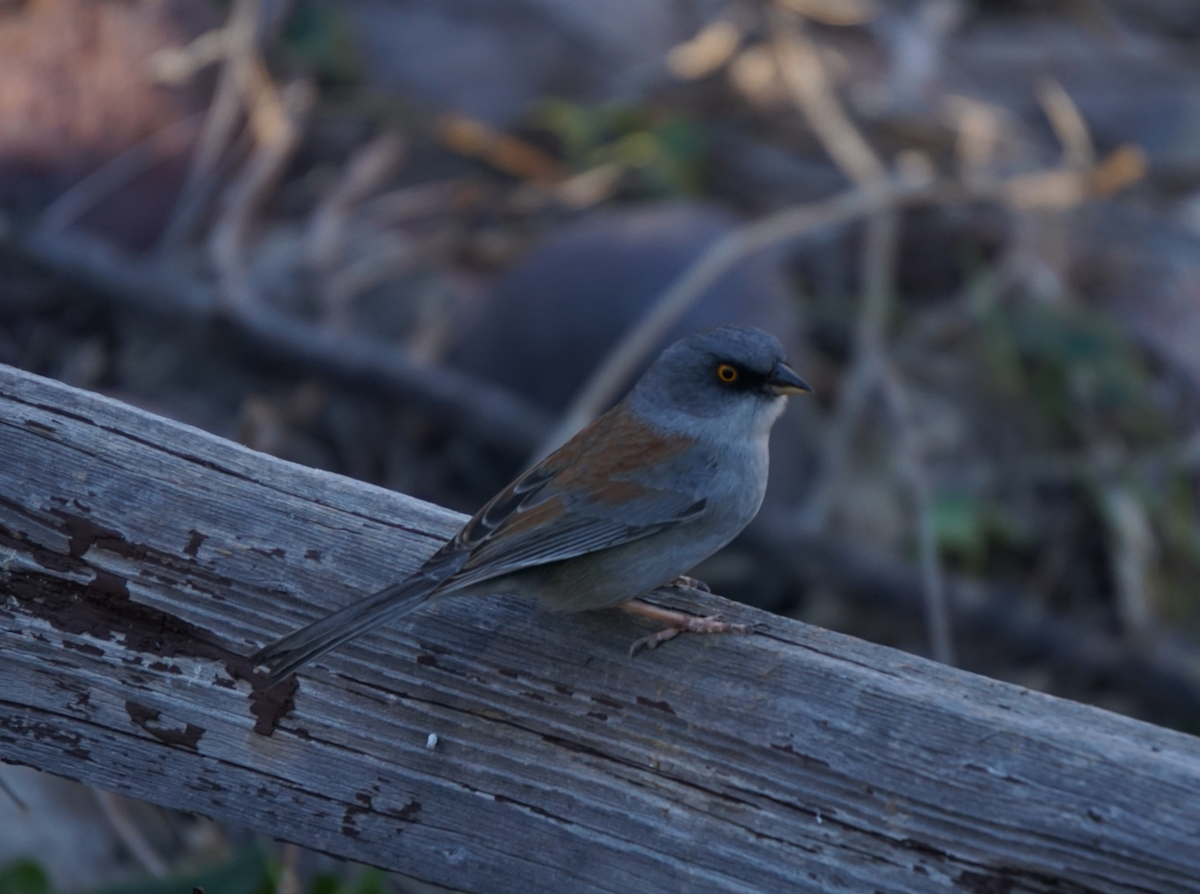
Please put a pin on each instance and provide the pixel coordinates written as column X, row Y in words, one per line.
column 291, row 652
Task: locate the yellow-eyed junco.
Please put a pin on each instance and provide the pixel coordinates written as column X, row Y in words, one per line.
column 661, row 481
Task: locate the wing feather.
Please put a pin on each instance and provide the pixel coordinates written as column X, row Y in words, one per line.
column 576, row 501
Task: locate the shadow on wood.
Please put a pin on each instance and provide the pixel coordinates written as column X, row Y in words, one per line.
column 139, row 558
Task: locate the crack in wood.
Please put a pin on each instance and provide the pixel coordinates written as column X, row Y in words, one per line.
column 741, row 797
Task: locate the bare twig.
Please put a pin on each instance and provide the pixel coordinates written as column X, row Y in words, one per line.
column 380, row 256
column 240, row 44
column 1069, row 125
column 781, row 228
column 366, row 171
column 802, row 71
column 590, row 187
column 491, row 413
column 711, row 48
column 804, row 75
column 110, row 177
column 289, row 878
column 979, row 130
column 276, row 119
column 16, row 799
column 1123, row 167
column 131, row 836
column 487, row 411
column 329, row 230
column 834, row 12
column 786, row 226
column 177, row 65
column 475, row 139
column 406, row 203
column 863, row 376
column 1131, row 556
column 912, row 469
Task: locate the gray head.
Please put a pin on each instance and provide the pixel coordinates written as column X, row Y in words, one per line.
column 737, row 374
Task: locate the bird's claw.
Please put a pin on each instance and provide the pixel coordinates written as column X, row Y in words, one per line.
column 688, row 624
column 683, row 582
column 654, row 640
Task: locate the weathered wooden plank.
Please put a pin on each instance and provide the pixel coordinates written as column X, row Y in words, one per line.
column 139, row 558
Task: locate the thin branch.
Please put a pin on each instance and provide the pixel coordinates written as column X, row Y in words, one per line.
column 131, row 836
column 1079, row 153
column 711, row 47
column 1132, row 549
column 110, row 177
column 289, row 877
column 912, row 469
column 277, row 128
column 978, row 125
column 240, row 43
column 786, row 226
column 381, row 256
column 485, row 410
column 781, row 228
column 863, row 376
column 834, row 12
column 364, row 173
column 408, row 202
column 176, row 66
column 329, row 230
column 492, row 413
column 16, row 799
column 804, row 74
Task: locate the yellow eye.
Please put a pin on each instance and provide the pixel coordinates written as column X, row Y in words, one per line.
column 727, row 374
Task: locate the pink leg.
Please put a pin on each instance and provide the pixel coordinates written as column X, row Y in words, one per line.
column 678, row 622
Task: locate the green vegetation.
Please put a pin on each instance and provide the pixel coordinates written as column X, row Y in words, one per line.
column 252, row 871
column 1081, row 394
column 318, row 39
column 667, row 151
column 24, row 877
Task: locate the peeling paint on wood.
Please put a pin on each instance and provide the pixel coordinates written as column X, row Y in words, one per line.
column 141, row 559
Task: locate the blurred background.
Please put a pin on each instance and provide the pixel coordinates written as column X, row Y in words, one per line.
column 396, row 239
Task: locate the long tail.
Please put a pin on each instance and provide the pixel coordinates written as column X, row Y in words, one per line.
column 289, row 653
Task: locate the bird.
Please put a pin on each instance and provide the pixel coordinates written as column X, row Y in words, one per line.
column 664, row 479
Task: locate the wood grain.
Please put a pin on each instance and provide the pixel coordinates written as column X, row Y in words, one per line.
column 140, row 558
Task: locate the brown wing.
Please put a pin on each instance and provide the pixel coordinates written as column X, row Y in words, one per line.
column 580, row 499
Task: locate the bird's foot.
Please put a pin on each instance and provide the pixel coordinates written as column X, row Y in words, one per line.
column 683, row 582
column 677, row 623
